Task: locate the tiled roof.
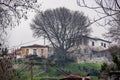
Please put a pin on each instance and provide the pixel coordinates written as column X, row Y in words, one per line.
column 97, row 39
column 74, row 77
column 34, row 45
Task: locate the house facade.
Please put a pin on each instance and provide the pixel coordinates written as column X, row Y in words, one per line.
column 15, row 54
column 35, row 49
column 98, row 43
column 89, row 50
column 93, row 50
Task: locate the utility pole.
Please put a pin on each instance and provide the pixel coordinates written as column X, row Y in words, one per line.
column 31, row 71
column 44, row 40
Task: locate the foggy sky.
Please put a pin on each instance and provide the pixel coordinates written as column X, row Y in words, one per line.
column 22, row 35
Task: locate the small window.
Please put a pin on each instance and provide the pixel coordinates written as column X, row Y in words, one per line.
column 93, row 43
column 27, row 51
column 101, row 44
column 34, row 51
column 42, row 51
column 104, row 45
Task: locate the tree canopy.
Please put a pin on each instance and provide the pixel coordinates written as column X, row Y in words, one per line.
column 107, row 69
column 115, row 53
column 62, row 27
column 11, row 11
column 111, row 11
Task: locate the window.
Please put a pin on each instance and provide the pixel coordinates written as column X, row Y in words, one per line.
column 34, row 51
column 104, row 45
column 27, row 51
column 42, row 51
column 93, row 43
column 101, row 44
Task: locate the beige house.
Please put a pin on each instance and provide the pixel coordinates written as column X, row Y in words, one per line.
column 35, row 49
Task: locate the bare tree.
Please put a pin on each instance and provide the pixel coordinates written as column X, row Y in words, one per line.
column 6, row 69
column 11, row 11
column 111, row 9
column 62, row 27
column 108, row 6
column 114, row 30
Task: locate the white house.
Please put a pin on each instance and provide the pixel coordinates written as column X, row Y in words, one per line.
column 93, row 50
column 98, row 43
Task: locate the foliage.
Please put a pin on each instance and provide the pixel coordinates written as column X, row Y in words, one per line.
column 4, row 52
column 22, row 74
column 6, row 69
column 54, row 72
column 94, row 78
column 103, row 66
column 115, row 66
column 84, row 68
column 115, row 53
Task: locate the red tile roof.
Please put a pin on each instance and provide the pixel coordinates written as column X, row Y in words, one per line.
column 34, row 45
column 74, row 77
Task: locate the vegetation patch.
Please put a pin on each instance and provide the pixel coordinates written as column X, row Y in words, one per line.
column 41, row 72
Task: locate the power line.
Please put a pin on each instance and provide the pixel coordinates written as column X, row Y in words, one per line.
column 24, row 43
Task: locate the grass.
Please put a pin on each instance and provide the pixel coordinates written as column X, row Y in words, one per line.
column 22, row 74
column 94, row 78
column 83, row 68
column 88, row 65
column 53, row 73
